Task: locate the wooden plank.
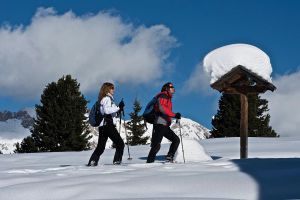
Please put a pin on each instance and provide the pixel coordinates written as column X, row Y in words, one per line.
column 244, row 127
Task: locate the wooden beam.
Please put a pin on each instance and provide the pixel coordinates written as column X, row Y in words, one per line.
column 240, row 76
column 244, row 127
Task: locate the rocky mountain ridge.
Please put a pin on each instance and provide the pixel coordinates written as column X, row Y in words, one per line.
column 27, row 121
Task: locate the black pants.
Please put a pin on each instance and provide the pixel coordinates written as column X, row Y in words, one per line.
column 105, row 132
column 160, row 131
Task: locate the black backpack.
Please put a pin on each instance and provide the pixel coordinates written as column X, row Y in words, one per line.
column 95, row 116
column 149, row 114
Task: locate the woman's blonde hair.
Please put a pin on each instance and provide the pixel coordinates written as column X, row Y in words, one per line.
column 104, row 90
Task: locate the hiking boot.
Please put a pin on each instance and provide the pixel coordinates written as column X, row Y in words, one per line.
column 170, row 158
column 92, row 164
column 117, row 162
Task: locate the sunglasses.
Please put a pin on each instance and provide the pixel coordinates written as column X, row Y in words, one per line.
column 171, row 86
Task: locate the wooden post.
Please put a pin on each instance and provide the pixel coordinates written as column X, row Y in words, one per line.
column 244, row 127
column 240, row 80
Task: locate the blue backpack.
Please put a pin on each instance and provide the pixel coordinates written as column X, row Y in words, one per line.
column 149, row 114
column 95, row 116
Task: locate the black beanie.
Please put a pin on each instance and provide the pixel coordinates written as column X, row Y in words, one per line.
column 166, row 86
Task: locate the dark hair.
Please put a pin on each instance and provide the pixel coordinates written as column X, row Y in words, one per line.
column 104, row 90
column 166, row 86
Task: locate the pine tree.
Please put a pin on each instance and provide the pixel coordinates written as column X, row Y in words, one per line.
column 61, row 122
column 226, row 123
column 26, row 146
column 136, row 126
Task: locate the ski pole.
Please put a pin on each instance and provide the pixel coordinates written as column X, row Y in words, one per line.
column 120, row 125
column 120, row 122
column 178, row 121
column 120, row 119
column 129, row 158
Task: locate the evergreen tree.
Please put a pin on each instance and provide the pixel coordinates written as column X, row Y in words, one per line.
column 226, row 123
column 136, row 126
column 26, row 146
column 61, row 122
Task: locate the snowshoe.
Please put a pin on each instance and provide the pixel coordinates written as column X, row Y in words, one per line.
column 117, row 162
column 92, row 164
column 169, row 158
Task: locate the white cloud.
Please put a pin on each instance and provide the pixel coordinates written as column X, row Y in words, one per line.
column 284, row 104
column 199, row 81
column 92, row 48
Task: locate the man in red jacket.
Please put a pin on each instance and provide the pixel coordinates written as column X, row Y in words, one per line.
column 161, row 126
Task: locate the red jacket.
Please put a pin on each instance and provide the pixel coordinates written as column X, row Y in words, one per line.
column 164, row 108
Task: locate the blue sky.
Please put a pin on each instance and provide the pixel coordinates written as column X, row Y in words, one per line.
column 187, row 31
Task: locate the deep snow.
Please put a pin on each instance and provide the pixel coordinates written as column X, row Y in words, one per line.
column 213, row 171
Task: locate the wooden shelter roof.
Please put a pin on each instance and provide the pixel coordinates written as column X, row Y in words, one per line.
column 241, row 80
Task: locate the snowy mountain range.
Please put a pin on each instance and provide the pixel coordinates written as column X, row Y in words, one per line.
column 15, row 126
column 189, row 130
column 26, row 117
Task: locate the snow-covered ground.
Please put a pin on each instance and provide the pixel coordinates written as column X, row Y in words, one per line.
column 212, row 170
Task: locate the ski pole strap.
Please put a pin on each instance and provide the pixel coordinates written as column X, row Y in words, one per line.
column 145, row 123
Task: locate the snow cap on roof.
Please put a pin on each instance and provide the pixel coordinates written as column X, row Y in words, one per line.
column 221, row 60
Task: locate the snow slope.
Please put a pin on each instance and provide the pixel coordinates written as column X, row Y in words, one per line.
column 271, row 172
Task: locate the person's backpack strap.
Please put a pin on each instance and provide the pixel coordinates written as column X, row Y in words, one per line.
column 145, row 123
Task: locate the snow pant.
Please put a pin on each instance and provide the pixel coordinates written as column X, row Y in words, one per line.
column 105, row 132
column 160, row 131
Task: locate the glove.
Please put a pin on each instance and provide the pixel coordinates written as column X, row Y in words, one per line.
column 178, row 116
column 121, row 105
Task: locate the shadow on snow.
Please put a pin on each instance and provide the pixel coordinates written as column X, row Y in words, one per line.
column 277, row 178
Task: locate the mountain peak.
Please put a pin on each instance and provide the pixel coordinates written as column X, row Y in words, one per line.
column 23, row 115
